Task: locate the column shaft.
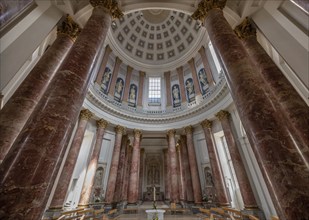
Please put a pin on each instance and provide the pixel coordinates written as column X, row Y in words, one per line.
column 167, row 77
column 208, row 71
column 180, row 170
column 197, row 88
column 141, row 175
column 114, row 76
column 181, row 84
column 107, row 52
column 140, row 88
column 127, row 173
column 127, row 84
column 167, row 181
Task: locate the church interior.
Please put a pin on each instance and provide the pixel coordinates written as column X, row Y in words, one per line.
column 152, row 109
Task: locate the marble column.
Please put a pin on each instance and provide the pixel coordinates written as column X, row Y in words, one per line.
column 114, row 76
column 208, row 71
column 140, row 88
column 111, row 183
column 242, row 177
column 291, row 104
column 107, row 52
column 167, row 77
column 46, row 134
column 167, row 172
column 180, row 171
column 19, row 107
column 196, row 184
column 173, row 166
column 128, row 161
column 186, row 166
column 1, row 103
column 283, row 160
column 196, row 83
column 93, row 164
column 218, row 178
column 141, row 174
column 134, row 171
column 70, row 162
column 181, row 84
column 127, row 84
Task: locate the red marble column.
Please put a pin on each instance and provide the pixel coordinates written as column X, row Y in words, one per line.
column 242, row 177
column 181, row 84
column 196, row 83
column 197, row 192
column 127, row 83
column 114, row 76
column 141, row 174
column 208, row 71
column 219, row 182
column 134, row 171
column 111, row 184
column 186, row 166
column 1, row 100
column 140, row 88
column 180, row 172
column 283, row 160
column 93, row 163
column 44, row 137
column 167, row 77
column 127, row 173
column 173, row 166
column 107, row 52
column 292, row 105
column 167, row 181
column 68, row 168
column 19, row 107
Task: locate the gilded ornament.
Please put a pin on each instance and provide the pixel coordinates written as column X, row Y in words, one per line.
column 189, row 129
column 177, row 147
column 137, row 133
column 85, row 114
column 206, row 124
column 222, row 115
column 102, row 123
column 205, row 6
column 69, row 27
column 171, row 132
column 119, row 129
column 245, row 29
column 110, row 5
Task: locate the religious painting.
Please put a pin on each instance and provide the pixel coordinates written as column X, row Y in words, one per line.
column 203, row 81
column 118, row 89
column 176, row 96
column 190, row 90
column 98, row 185
column 106, row 80
column 132, row 95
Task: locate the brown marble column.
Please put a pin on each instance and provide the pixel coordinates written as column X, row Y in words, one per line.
column 173, row 166
column 242, row 177
column 93, row 163
column 141, row 174
column 107, row 52
column 208, row 71
column 125, row 183
column 291, row 104
column 19, row 107
column 68, row 168
column 283, row 160
column 111, row 183
column 1, row 104
column 196, row 83
column 127, row 84
column 134, row 171
column 140, row 88
column 167, row 77
column 167, row 172
column 218, row 178
column 114, row 76
column 196, row 184
column 44, row 137
column 181, row 84
column 180, row 171
column 186, row 166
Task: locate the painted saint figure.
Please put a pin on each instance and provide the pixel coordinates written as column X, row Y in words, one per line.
column 190, row 90
column 203, row 81
column 176, row 96
column 106, row 79
column 118, row 89
column 132, row 95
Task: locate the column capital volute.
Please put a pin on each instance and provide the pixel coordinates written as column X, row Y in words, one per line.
column 206, row 123
column 188, row 129
column 85, row 114
column 137, row 133
column 69, row 27
column 110, row 5
column 120, row 129
column 102, row 123
column 245, row 29
column 205, row 6
column 171, row 133
column 222, row 115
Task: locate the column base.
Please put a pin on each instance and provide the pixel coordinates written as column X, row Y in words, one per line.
column 253, row 211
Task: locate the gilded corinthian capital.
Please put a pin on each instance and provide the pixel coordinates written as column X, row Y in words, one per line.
column 69, row 27
column 110, row 5
column 188, row 129
column 205, row 6
column 245, row 29
column 102, row 123
column 119, row 129
column 85, row 114
column 206, row 123
column 137, row 133
column 221, row 115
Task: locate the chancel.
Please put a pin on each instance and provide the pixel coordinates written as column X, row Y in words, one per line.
column 190, row 109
